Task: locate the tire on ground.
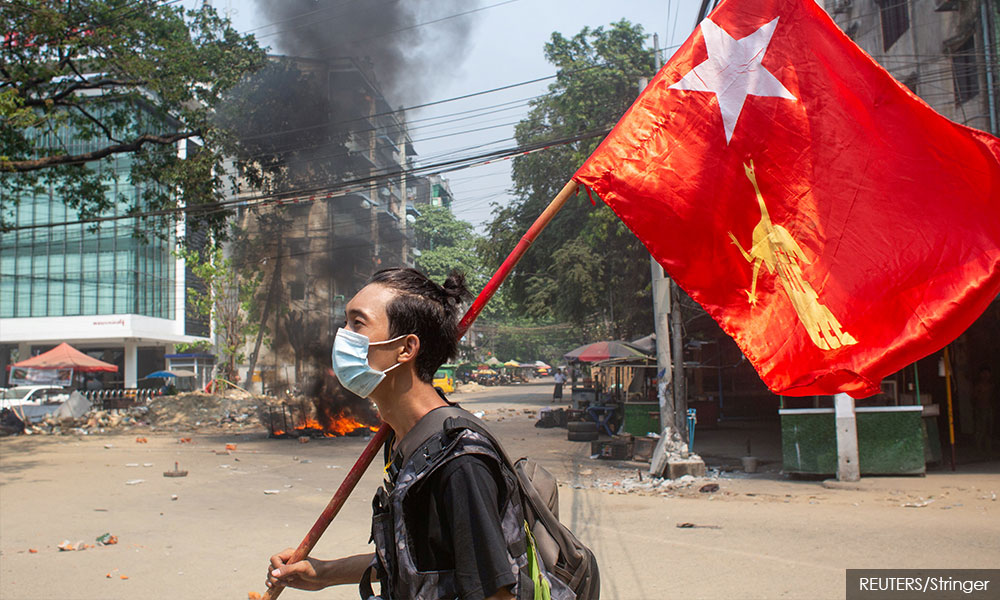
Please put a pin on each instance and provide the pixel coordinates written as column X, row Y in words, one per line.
column 581, row 436
column 582, row 426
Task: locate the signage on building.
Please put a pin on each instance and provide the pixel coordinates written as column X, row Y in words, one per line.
column 22, row 376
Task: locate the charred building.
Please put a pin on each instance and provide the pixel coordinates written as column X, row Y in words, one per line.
column 338, row 210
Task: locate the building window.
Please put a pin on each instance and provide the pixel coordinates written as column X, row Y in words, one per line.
column 297, row 290
column 895, row 18
column 963, row 67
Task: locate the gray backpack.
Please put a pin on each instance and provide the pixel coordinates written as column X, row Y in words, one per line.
column 563, row 555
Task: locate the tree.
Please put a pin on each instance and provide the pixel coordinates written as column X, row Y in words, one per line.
column 586, row 267
column 447, row 243
column 96, row 91
column 227, row 299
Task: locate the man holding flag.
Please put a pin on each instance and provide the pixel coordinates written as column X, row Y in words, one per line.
column 829, row 220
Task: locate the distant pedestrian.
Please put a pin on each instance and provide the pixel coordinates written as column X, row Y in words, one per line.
column 560, row 379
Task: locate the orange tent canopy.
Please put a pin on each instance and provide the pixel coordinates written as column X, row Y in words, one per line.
column 65, row 356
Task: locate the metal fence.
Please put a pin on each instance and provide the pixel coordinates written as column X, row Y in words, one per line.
column 120, row 398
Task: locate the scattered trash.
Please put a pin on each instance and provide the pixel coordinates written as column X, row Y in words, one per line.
column 107, row 540
column 305, row 462
column 288, row 485
column 68, row 546
column 185, row 441
column 694, row 526
column 134, row 481
column 708, row 488
column 253, row 596
column 141, row 440
column 32, row 551
column 131, row 464
column 230, row 446
column 479, row 414
column 918, row 504
column 123, row 576
column 304, row 439
column 271, row 492
column 173, row 496
column 109, row 446
column 147, row 464
column 175, row 473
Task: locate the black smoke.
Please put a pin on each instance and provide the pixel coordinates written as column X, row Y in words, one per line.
column 409, row 43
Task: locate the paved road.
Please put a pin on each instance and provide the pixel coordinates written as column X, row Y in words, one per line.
column 771, row 538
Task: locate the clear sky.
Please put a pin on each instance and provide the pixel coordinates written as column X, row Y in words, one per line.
column 505, row 47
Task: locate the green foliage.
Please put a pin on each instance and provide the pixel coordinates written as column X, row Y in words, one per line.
column 227, row 299
column 446, row 243
column 201, row 347
column 90, row 80
column 586, row 267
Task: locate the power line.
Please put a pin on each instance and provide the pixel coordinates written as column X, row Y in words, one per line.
column 311, row 194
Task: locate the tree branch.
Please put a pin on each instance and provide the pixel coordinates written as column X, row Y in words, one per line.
column 82, row 85
column 95, row 121
column 21, row 166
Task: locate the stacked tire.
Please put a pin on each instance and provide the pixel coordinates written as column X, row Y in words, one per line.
column 581, row 431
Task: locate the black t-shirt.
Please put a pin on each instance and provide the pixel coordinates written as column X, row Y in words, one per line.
column 454, row 520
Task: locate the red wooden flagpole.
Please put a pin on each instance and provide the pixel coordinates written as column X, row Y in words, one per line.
column 359, row 468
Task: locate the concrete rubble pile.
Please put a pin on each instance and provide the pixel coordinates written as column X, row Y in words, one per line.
column 653, row 486
column 232, row 410
column 676, row 448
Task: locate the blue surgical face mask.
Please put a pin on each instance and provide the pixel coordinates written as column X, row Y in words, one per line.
column 350, row 362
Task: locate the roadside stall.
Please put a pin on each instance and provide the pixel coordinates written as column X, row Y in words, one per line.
column 201, row 365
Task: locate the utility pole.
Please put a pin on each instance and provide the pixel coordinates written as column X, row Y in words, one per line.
column 673, row 410
column 661, row 310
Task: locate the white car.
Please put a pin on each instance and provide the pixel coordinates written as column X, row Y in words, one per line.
column 33, row 395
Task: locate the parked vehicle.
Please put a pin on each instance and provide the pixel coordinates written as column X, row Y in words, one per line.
column 33, row 395
column 444, row 380
column 33, row 402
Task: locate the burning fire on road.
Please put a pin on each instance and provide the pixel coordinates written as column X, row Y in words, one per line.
column 286, row 422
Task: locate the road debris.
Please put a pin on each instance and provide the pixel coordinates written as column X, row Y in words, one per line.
column 271, row 492
column 176, row 472
column 694, row 526
column 134, row 481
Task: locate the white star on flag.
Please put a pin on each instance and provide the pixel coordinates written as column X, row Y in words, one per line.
column 734, row 71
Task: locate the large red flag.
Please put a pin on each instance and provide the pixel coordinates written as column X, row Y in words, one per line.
column 831, row 222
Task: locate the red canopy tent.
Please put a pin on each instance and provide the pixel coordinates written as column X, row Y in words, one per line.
column 65, row 356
